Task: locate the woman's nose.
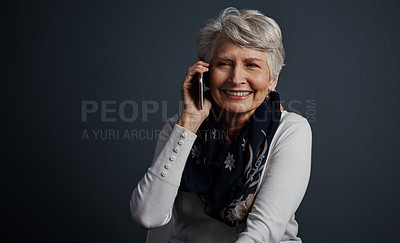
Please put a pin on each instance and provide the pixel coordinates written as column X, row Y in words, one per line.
column 237, row 75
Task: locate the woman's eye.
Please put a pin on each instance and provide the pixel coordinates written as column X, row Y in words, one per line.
column 252, row 65
column 221, row 64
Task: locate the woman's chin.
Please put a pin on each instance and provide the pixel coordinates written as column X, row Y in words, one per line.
column 236, row 109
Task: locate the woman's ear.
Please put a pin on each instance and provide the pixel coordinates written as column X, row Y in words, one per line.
column 272, row 83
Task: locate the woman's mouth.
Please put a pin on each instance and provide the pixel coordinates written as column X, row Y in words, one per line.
column 237, row 93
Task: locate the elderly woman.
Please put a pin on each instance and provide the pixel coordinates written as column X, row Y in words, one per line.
column 236, row 170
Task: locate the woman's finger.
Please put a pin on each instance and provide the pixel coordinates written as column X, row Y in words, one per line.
column 193, row 70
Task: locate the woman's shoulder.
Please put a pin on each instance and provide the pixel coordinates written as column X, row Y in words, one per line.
column 291, row 121
column 288, row 116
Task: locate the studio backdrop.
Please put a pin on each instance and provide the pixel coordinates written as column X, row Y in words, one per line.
column 88, row 86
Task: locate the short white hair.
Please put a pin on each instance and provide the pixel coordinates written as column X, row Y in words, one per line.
column 248, row 28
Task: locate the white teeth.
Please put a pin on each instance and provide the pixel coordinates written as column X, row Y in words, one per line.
column 237, row 93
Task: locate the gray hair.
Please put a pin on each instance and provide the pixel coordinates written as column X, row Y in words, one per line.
column 248, row 28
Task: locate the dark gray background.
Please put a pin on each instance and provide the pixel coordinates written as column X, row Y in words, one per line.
column 343, row 56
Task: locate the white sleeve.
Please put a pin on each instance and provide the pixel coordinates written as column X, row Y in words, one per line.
column 284, row 184
column 153, row 198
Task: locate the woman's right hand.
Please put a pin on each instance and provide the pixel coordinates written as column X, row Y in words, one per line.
column 192, row 116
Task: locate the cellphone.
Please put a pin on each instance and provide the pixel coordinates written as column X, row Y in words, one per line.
column 201, row 90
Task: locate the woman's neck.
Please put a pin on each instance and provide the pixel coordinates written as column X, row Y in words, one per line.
column 232, row 123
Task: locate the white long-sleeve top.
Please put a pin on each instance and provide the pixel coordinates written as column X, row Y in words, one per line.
column 156, row 199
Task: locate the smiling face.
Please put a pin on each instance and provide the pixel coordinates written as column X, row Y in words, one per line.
column 239, row 77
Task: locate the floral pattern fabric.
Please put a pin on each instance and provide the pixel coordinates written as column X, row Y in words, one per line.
column 226, row 179
column 229, row 161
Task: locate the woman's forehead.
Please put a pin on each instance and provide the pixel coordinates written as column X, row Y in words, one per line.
column 227, row 49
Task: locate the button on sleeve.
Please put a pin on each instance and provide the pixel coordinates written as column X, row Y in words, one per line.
column 170, row 162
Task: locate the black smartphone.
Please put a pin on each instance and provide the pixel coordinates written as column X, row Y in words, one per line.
column 200, row 78
column 203, row 84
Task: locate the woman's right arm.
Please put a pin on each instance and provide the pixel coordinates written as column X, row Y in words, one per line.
column 153, row 198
